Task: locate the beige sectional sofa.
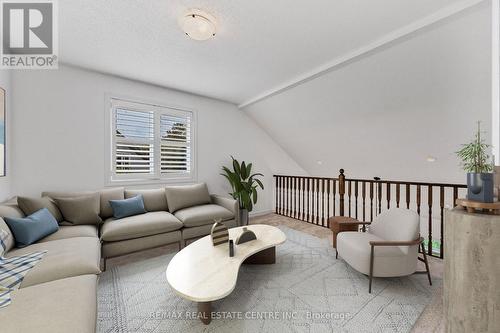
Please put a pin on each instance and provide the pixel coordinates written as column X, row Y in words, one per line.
column 66, row 277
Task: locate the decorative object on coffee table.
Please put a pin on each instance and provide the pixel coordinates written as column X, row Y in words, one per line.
column 244, row 186
column 476, row 161
column 245, row 236
column 219, row 233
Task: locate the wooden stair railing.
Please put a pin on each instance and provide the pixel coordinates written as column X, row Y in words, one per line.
column 314, row 199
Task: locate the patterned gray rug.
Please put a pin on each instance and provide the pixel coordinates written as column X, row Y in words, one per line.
column 307, row 290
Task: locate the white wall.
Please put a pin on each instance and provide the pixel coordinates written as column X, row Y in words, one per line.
column 383, row 114
column 59, row 132
column 5, row 182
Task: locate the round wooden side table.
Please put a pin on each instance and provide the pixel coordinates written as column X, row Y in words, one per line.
column 341, row 223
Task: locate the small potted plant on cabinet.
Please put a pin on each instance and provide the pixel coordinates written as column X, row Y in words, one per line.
column 476, row 162
column 244, row 185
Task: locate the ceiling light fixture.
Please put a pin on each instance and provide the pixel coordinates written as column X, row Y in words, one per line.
column 198, row 25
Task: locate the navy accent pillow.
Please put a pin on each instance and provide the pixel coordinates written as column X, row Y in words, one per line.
column 128, row 207
column 32, row 228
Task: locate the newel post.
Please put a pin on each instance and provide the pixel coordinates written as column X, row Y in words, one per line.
column 341, row 192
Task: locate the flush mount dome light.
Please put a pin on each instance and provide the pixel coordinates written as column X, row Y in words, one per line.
column 198, row 25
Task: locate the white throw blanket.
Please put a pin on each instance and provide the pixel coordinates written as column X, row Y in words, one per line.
column 13, row 270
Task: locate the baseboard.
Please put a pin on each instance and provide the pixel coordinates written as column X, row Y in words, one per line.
column 260, row 213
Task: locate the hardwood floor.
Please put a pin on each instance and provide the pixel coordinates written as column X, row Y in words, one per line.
column 431, row 320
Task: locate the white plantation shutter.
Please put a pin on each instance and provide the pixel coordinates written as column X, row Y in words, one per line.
column 175, row 144
column 134, row 142
column 151, row 142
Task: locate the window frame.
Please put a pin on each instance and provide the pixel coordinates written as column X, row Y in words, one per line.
column 113, row 102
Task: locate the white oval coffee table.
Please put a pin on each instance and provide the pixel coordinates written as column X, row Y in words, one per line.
column 204, row 273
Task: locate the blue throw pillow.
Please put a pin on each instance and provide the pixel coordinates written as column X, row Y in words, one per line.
column 128, row 207
column 34, row 227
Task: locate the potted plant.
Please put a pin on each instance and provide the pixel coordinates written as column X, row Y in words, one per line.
column 244, row 185
column 475, row 160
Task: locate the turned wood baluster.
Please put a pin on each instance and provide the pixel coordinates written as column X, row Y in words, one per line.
column 334, row 194
column 307, row 199
column 407, row 196
column 371, row 201
column 363, row 193
column 317, row 201
column 356, row 199
column 349, row 196
column 297, row 215
column 388, row 194
column 313, row 194
column 455, row 196
column 418, row 199
column 429, row 202
column 303, row 198
column 276, row 186
column 398, row 194
column 289, row 195
column 322, row 201
column 284, row 199
column 379, row 196
column 281, row 195
column 341, row 192
column 441, row 205
column 328, row 202
column 294, row 197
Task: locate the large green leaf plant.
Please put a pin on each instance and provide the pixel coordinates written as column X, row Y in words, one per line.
column 244, row 184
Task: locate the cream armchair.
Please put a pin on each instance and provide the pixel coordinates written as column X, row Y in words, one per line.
column 390, row 248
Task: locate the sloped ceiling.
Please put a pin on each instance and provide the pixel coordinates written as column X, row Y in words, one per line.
column 260, row 44
column 385, row 113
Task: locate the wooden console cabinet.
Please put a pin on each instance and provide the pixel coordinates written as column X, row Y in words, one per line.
column 472, row 272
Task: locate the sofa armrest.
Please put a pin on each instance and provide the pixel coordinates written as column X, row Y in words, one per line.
column 229, row 204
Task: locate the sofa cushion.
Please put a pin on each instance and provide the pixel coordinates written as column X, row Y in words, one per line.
column 202, row 215
column 184, row 196
column 151, row 223
column 44, row 308
column 31, row 205
column 30, row 229
column 64, row 258
column 11, row 210
column 128, row 207
column 9, row 242
column 80, row 210
column 114, row 249
column 154, row 199
column 70, row 231
column 116, row 193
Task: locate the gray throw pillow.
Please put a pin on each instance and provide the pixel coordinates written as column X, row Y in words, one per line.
column 32, row 205
column 154, row 199
column 107, row 194
column 184, row 196
column 80, row 210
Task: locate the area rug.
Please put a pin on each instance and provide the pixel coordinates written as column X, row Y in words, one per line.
column 307, row 290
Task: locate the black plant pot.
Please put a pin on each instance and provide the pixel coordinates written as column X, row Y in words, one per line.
column 480, row 187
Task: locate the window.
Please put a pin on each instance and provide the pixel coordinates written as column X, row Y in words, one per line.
column 150, row 142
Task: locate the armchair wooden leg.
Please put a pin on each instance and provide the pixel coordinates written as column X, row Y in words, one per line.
column 372, row 257
column 424, row 260
column 104, row 264
column 336, row 253
column 426, row 265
